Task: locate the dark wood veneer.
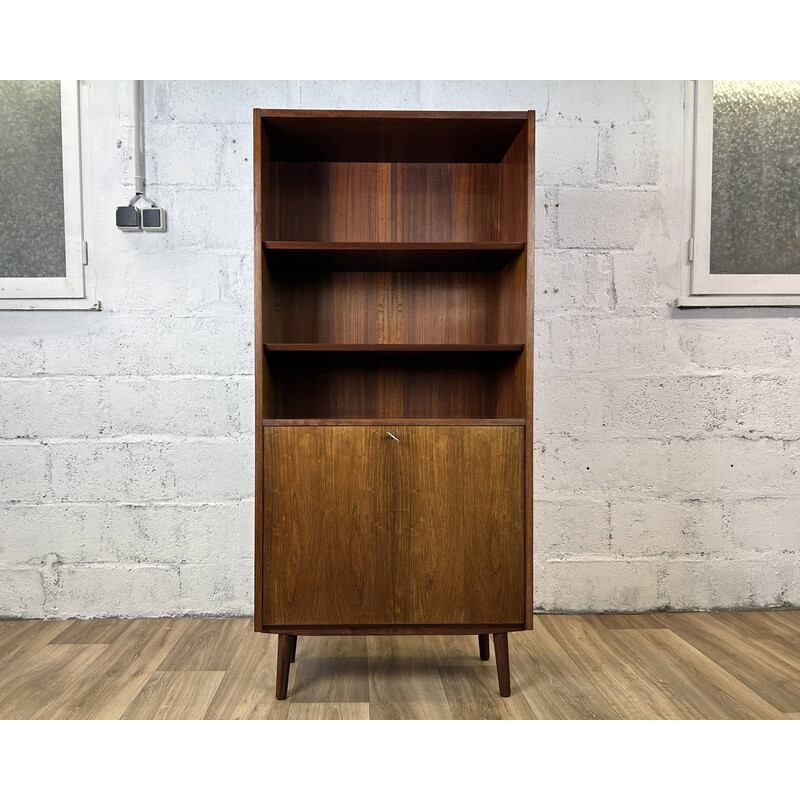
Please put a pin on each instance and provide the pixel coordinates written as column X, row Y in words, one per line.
column 394, row 365
column 424, row 256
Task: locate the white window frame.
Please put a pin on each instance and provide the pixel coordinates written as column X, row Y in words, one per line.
column 69, row 292
column 699, row 286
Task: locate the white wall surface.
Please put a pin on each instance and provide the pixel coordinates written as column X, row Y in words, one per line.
column 668, row 441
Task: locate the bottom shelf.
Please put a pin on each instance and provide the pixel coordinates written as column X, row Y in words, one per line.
column 394, row 422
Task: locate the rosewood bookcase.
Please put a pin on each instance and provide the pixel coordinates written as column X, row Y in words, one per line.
column 394, row 375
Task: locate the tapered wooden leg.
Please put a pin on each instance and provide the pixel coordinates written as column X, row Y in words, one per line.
column 483, row 646
column 284, row 652
column 501, row 657
column 293, row 650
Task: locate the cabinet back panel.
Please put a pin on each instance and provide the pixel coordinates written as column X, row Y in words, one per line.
column 346, row 201
column 383, row 307
column 400, row 385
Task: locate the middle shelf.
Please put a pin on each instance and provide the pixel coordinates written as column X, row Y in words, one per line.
column 325, row 347
column 392, row 255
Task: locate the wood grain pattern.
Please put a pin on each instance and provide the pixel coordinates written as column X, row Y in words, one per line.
column 324, row 135
column 333, row 669
column 553, row 684
column 459, row 545
column 182, row 694
column 386, row 308
column 388, row 385
column 22, row 638
column 121, row 671
column 524, row 374
column 697, row 685
column 247, row 690
column 323, row 711
column 285, row 256
column 501, row 658
column 205, row 645
column 632, row 689
column 327, row 540
column 92, row 631
column 366, row 530
column 283, row 662
column 446, row 347
column 390, row 630
column 404, row 681
column 566, row 667
column 389, row 422
column 394, row 281
column 27, row 685
column 472, row 694
column 773, row 678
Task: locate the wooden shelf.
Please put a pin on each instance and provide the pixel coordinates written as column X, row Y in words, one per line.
column 324, row 347
column 427, row 256
column 392, row 422
column 425, row 136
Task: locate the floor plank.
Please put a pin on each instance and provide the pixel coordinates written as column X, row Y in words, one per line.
column 704, row 688
column 93, row 631
column 629, row 687
column 472, row 694
column 767, row 675
column 328, row 710
column 119, row 673
column 552, row 684
column 629, row 621
column 787, row 617
column 768, row 632
column 21, row 638
column 404, row 682
column 37, row 682
column 330, row 669
column 207, row 644
column 248, row 689
column 181, row 694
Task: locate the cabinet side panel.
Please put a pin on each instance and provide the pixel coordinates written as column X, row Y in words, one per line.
column 529, row 362
column 327, row 507
column 459, row 540
column 265, row 196
column 259, row 362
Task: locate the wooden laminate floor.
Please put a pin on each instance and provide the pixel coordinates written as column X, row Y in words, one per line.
column 741, row 665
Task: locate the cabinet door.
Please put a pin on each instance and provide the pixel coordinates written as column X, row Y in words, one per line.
column 459, row 539
column 327, row 511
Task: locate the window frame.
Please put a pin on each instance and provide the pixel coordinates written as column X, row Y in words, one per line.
column 699, row 286
column 71, row 291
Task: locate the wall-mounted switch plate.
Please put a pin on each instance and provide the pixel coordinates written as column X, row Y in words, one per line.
column 154, row 219
column 128, row 218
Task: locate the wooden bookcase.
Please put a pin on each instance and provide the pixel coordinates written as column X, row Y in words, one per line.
column 394, row 375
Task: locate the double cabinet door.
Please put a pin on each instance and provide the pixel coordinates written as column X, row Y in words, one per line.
column 403, row 525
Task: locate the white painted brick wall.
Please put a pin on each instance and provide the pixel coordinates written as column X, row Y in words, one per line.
column 668, row 441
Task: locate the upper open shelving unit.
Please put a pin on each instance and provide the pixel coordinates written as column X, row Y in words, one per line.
column 392, row 264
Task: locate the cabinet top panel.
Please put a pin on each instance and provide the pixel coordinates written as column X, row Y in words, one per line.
column 410, row 136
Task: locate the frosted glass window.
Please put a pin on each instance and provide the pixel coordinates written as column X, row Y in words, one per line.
column 31, row 180
column 755, row 201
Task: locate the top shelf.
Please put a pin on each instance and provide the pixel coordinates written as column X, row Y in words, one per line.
column 398, row 136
